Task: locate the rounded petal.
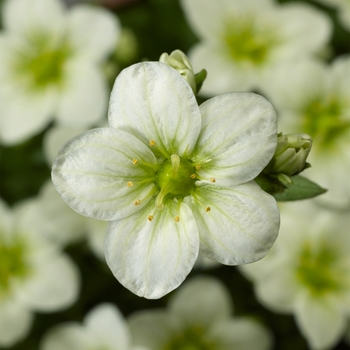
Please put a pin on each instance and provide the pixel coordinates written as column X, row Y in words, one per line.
column 107, row 323
column 241, row 334
column 83, row 101
column 93, row 171
column 154, row 102
column 54, row 285
column 69, row 336
column 238, row 137
column 15, row 322
column 93, row 31
column 152, row 251
column 201, row 300
column 236, row 225
column 22, row 16
column 320, row 320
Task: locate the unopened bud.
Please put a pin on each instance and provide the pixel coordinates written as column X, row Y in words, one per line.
column 179, row 61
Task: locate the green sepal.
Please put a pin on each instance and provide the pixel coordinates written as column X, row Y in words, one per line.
column 301, row 188
column 199, row 79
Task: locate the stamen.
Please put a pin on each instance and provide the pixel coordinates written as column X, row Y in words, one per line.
column 134, row 161
column 152, row 143
column 212, row 179
column 207, row 209
column 150, row 217
column 198, row 166
column 193, row 176
column 130, row 183
column 177, row 218
column 137, row 202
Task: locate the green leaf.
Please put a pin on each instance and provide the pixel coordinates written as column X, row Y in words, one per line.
column 302, row 188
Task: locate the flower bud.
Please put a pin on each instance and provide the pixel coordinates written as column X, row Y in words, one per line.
column 179, row 61
column 291, row 154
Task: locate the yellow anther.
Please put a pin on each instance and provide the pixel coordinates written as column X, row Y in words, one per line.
column 152, row 143
column 193, row 176
column 212, row 179
column 198, row 167
column 134, row 161
column 137, row 202
column 207, row 209
column 150, row 217
column 177, row 218
column 130, row 183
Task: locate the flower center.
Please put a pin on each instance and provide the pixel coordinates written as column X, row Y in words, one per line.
column 247, row 41
column 323, row 121
column 12, row 263
column 41, row 63
column 320, row 269
column 176, row 178
column 192, row 338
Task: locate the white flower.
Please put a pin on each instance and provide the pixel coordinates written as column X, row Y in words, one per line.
column 314, row 98
column 50, row 62
column 34, row 274
column 308, row 272
column 103, row 327
column 171, row 176
column 198, row 317
column 343, row 7
column 241, row 41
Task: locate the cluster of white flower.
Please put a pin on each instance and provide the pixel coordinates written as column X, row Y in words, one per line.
column 168, row 184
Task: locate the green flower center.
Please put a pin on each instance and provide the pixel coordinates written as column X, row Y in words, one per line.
column 176, row 178
column 322, row 120
column 320, row 269
column 192, row 338
column 41, row 63
column 12, row 263
column 246, row 41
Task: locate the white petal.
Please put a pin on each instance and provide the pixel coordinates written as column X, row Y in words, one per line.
column 107, row 323
column 92, row 172
column 69, row 336
column 154, row 102
column 241, row 334
column 93, row 31
column 238, row 137
column 15, row 322
column 83, row 101
column 54, row 285
column 152, row 329
column 22, row 16
column 236, row 226
column 151, row 258
column 320, row 320
column 201, row 300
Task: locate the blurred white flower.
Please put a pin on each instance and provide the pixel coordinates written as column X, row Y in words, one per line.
column 241, row 41
column 313, row 98
column 34, row 274
column 50, row 66
column 343, row 7
column 169, row 174
column 198, row 317
column 307, row 272
column 103, row 327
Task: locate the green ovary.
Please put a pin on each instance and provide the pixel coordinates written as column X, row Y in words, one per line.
column 12, row 263
column 175, row 178
column 246, row 42
column 192, row 338
column 322, row 120
column 319, row 269
column 41, row 64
